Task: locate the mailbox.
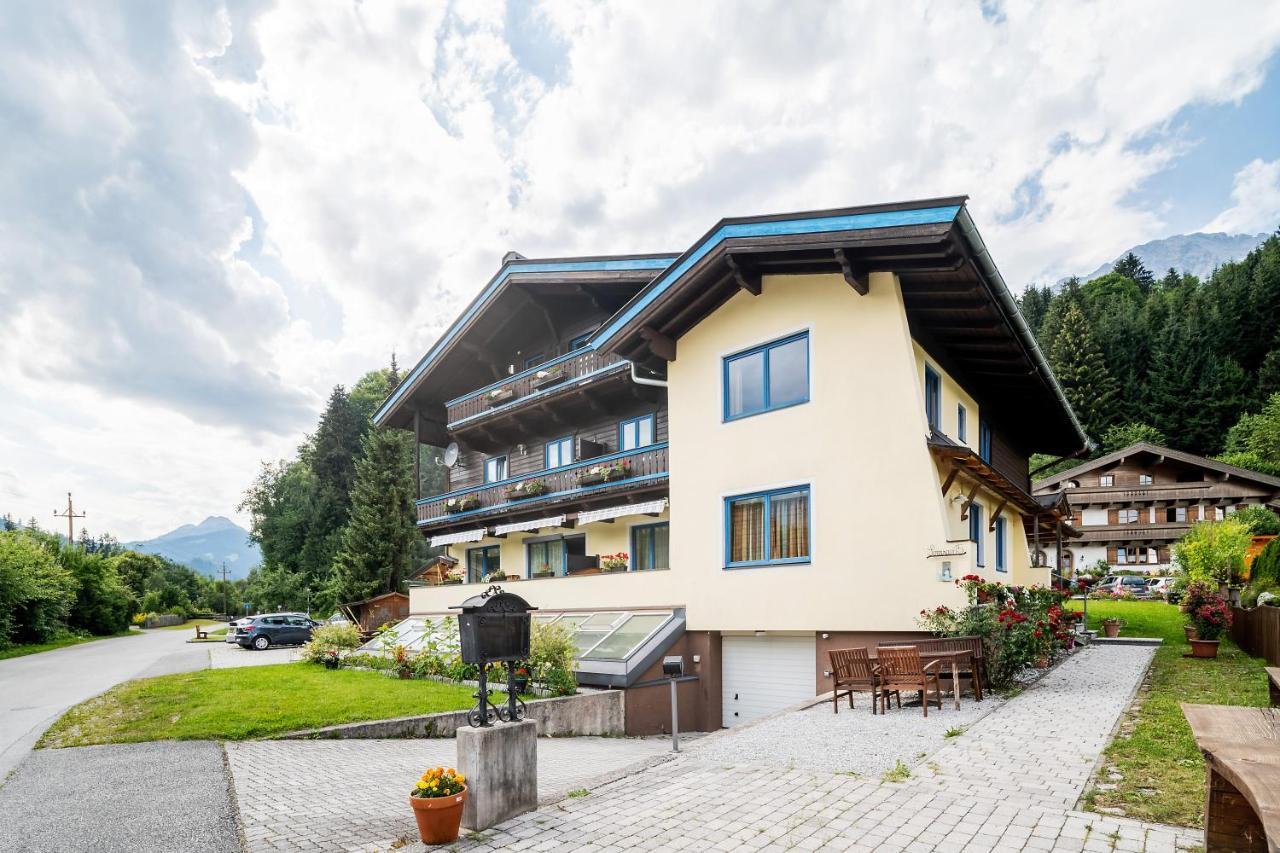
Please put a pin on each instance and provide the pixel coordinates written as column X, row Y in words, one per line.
column 673, row 666
column 494, row 627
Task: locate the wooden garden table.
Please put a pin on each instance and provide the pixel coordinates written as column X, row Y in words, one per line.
column 1241, row 748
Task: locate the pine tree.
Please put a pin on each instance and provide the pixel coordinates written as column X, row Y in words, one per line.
column 1082, row 372
column 1132, row 268
column 331, row 456
column 378, row 542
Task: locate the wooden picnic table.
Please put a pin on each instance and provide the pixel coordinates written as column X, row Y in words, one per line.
column 954, row 657
column 1241, row 748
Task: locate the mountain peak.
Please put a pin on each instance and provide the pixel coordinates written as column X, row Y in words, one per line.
column 206, row 547
column 1199, row 253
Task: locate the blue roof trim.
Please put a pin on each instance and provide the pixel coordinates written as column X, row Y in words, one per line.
column 507, row 270
column 814, row 225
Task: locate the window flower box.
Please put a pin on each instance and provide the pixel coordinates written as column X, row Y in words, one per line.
column 462, row 504
column 498, row 396
column 527, row 489
column 597, row 474
column 547, row 378
column 544, row 572
column 613, row 562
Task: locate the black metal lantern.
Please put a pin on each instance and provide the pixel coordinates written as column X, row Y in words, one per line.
column 494, row 627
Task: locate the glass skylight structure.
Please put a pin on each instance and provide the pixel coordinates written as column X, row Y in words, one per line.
column 613, row 647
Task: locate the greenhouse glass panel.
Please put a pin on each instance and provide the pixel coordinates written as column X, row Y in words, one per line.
column 627, row 637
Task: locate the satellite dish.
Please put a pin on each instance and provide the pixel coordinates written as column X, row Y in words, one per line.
column 451, row 454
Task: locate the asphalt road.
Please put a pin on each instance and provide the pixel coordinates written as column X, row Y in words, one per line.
column 164, row 797
column 36, row 689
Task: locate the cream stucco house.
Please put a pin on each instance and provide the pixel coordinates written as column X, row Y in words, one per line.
column 791, row 437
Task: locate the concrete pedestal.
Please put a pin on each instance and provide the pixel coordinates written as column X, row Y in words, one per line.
column 501, row 766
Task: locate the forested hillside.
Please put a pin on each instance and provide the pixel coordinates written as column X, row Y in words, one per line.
column 1172, row 359
column 336, row 522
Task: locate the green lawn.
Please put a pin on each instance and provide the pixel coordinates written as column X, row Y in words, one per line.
column 35, row 648
column 1159, row 754
column 247, row 702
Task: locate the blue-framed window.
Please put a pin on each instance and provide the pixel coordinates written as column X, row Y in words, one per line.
column 559, row 452
column 984, row 440
column 558, row 555
column 767, row 528
column 962, row 422
column 975, row 533
column 1002, row 544
column 534, row 360
column 650, row 547
column 768, row 377
column 581, row 340
column 483, row 562
column 495, row 469
column 933, row 397
column 636, row 432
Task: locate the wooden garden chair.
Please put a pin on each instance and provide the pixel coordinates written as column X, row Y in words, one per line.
column 970, row 665
column 901, row 669
column 852, row 671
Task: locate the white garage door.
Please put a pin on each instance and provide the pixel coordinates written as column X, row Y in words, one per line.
column 766, row 674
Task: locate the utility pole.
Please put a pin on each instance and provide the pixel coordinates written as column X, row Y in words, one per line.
column 224, row 573
column 70, row 515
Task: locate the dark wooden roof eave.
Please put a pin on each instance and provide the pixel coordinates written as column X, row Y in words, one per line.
column 966, row 461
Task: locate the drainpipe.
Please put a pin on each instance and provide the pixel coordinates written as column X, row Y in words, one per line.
column 645, row 380
column 1009, row 307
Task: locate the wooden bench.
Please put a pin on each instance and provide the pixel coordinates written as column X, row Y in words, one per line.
column 1241, row 748
column 201, row 633
column 1273, row 681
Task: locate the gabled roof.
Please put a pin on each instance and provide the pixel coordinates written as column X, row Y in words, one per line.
column 1146, row 448
column 958, row 306
column 611, row 268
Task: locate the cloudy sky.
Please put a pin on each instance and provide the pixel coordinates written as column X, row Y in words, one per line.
column 210, row 213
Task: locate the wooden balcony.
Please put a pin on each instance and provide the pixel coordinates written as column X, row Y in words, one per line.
column 534, row 386
column 630, row 472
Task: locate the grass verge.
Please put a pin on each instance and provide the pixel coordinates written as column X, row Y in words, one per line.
column 1162, row 771
column 247, row 702
column 36, row 648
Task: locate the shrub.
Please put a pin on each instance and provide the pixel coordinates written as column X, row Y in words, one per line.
column 331, row 638
column 1214, row 550
column 36, row 593
column 551, row 658
column 1266, row 566
column 1260, row 520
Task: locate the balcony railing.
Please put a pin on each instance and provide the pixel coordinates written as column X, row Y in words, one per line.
column 537, row 381
column 571, row 482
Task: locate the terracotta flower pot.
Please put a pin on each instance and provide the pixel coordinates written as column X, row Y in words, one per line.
column 438, row 817
column 1190, row 631
column 1111, row 628
column 1204, row 648
column 405, row 673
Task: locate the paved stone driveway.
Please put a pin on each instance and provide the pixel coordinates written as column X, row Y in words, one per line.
column 1009, row 783
column 351, row 794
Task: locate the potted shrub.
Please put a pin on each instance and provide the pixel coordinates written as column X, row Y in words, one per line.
column 1211, row 619
column 522, row 680
column 1111, row 626
column 331, row 659
column 614, row 562
column 437, row 799
column 401, row 662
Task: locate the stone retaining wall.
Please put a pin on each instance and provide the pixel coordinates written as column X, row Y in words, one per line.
column 587, row 713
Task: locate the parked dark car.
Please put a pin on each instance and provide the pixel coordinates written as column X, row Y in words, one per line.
column 275, row 629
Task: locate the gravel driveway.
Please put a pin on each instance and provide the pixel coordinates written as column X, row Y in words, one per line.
column 166, row 797
column 227, row 655
column 855, row 742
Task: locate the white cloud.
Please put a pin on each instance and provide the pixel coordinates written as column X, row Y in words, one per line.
column 210, row 215
column 1255, row 200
